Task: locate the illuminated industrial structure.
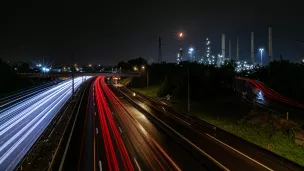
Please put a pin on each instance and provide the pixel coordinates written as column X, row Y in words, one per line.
column 191, row 56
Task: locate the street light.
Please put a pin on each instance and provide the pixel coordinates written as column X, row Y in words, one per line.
column 261, row 50
column 135, row 68
column 181, row 35
column 143, row 67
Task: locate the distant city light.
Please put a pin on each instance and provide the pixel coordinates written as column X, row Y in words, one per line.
column 191, row 49
column 44, row 69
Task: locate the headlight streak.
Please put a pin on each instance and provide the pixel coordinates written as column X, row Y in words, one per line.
column 22, row 123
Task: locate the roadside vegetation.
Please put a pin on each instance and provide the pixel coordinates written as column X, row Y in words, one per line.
column 213, row 100
column 253, row 124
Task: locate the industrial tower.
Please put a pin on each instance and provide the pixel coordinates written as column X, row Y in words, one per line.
column 208, row 59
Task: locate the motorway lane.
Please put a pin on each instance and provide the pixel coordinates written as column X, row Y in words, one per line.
column 116, row 153
column 80, row 153
column 7, row 102
column 86, row 159
column 181, row 156
column 216, row 150
column 21, row 125
column 149, row 145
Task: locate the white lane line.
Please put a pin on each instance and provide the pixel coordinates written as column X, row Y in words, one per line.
column 96, row 130
column 137, row 164
column 120, row 129
column 180, row 119
column 239, row 152
column 95, row 113
column 100, row 165
column 188, row 141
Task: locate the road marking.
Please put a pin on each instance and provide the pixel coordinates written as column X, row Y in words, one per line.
column 94, row 104
column 166, row 155
column 96, row 130
column 95, row 113
column 188, row 141
column 180, row 119
column 100, row 165
column 239, row 152
column 120, row 129
column 137, row 164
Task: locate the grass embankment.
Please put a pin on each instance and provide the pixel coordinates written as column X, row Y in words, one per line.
column 150, row 91
column 254, row 124
column 125, row 81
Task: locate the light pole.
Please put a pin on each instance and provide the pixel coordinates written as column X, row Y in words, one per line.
column 180, row 56
column 188, row 89
column 261, row 50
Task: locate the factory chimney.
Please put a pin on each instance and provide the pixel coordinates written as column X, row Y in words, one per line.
column 237, row 49
column 270, row 43
column 223, row 46
column 229, row 50
column 252, row 47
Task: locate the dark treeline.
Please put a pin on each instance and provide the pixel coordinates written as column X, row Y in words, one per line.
column 204, row 80
column 10, row 81
column 283, row 76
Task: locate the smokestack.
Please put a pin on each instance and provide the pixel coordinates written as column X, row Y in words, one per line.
column 237, row 49
column 223, row 46
column 270, row 43
column 252, row 47
column 229, row 49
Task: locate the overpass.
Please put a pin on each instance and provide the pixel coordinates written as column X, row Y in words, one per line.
column 77, row 74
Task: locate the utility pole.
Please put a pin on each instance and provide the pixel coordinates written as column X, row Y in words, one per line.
column 160, row 58
column 147, row 77
column 188, row 89
column 237, row 49
column 72, row 76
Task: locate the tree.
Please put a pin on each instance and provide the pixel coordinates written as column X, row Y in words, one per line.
column 137, row 61
column 166, row 88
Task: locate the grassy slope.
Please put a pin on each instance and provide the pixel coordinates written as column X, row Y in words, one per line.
column 222, row 113
column 150, row 91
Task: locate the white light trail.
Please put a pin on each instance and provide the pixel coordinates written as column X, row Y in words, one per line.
column 21, row 124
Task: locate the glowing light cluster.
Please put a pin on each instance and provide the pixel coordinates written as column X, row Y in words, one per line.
column 243, row 66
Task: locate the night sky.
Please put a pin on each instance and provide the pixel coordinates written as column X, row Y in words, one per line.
column 110, row 31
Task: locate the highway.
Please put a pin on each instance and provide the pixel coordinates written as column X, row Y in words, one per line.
column 18, row 96
column 117, row 130
column 266, row 95
column 23, row 122
column 150, row 147
column 225, row 150
column 113, row 135
column 261, row 94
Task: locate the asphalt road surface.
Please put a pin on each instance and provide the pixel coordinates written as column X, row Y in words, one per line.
column 229, row 152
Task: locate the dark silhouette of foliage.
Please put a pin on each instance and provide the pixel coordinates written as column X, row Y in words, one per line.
column 284, row 77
